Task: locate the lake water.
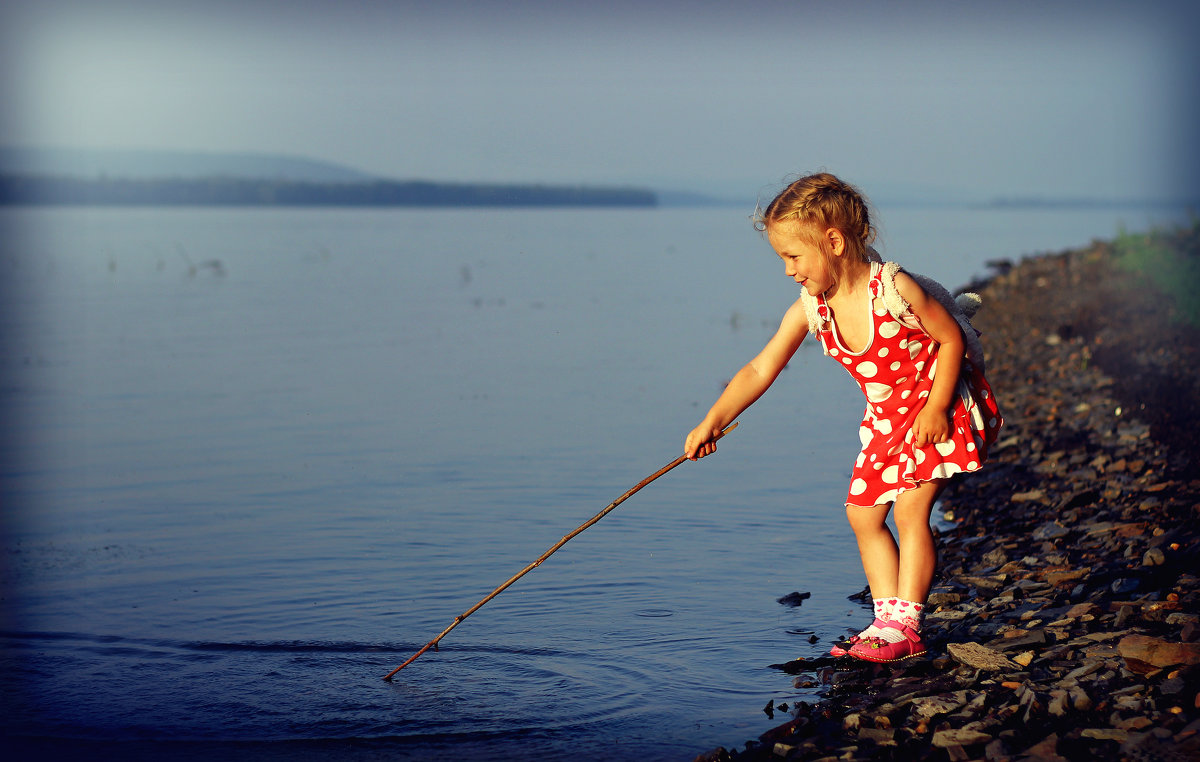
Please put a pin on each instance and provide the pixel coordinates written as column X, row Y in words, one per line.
column 256, row 458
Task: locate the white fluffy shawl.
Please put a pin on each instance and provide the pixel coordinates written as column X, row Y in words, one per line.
column 961, row 308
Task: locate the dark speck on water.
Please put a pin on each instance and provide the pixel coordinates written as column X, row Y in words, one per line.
column 794, row 599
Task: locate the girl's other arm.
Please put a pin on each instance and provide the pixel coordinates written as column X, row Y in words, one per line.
column 749, row 383
column 932, row 424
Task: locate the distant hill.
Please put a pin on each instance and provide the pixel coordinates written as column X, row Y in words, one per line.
column 1081, row 202
column 218, row 191
column 85, row 177
column 88, row 163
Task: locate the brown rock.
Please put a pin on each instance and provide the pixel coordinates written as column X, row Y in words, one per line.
column 1060, row 578
column 1080, row 700
column 1046, row 749
column 1143, row 653
column 1081, row 610
column 1106, row 734
column 1058, row 703
column 1030, row 495
column 1135, row 723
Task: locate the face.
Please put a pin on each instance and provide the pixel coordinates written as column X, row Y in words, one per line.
column 803, row 262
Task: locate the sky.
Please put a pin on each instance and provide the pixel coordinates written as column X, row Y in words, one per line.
column 977, row 99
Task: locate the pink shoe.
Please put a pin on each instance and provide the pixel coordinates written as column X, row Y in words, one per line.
column 843, row 648
column 881, row 651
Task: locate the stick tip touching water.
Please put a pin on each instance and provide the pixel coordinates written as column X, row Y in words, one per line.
column 434, row 643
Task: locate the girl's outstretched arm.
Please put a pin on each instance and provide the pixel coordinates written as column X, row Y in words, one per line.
column 749, row 383
column 932, row 424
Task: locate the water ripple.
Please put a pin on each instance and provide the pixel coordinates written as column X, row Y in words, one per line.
column 325, row 689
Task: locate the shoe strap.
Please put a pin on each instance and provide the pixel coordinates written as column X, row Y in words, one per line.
column 907, row 632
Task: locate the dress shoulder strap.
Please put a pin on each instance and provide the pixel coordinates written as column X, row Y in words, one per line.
column 961, row 308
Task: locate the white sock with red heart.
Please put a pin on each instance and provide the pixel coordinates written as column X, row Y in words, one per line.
column 909, row 614
column 883, row 607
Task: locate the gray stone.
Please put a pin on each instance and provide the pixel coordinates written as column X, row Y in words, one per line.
column 948, row 616
column 1046, row 749
column 995, row 557
column 1058, row 703
column 931, row 706
column 959, row 737
column 1124, row 586
column 1105, row 734
column 878, row 736
column 996, row 751
column 989, row 584
column 1124, row 615
column 1023, row 642
column 1050, row 531
column 1154, row 557
column 942, row 599
column 1086, row 669
column 1099, row 527
column 979, row 656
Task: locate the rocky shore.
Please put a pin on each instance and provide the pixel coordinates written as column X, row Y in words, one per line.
column 1065, row 617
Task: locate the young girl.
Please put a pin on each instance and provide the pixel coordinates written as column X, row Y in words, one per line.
column 930, row 412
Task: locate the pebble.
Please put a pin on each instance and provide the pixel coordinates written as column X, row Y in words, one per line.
column 1064, row 621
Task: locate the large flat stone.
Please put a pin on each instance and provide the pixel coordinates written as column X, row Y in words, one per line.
column 1141, row 651
column 979, row 656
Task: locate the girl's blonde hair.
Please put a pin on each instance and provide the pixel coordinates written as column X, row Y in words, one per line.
column 819, row 202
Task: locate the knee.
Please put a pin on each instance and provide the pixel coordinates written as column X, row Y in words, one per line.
column 864, row 519
column 912, row 519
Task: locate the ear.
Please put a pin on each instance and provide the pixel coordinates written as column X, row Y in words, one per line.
column 837, row 241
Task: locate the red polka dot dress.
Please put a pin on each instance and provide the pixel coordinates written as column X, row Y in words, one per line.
column 896, row 372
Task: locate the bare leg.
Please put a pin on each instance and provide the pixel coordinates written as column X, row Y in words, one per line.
column 877, row 546
column 918, row 554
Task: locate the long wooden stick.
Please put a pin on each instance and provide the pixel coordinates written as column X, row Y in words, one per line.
column 433, row 643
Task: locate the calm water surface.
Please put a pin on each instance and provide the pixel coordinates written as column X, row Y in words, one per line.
column 257, row 458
